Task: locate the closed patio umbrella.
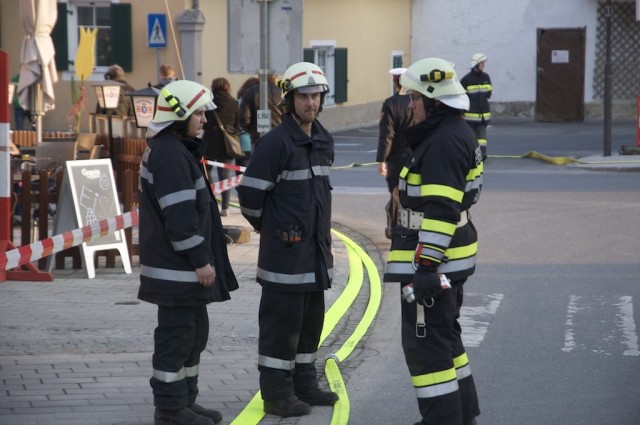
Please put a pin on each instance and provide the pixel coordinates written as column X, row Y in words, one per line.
column 37, row 65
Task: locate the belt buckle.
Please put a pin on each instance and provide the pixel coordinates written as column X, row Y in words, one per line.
column 404, row 217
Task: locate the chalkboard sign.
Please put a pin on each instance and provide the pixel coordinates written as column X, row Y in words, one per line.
column 87, row 196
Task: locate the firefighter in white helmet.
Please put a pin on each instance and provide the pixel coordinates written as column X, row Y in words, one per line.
column 477, row 83
column 285, row 194
column 434, row 247
column 183, row 257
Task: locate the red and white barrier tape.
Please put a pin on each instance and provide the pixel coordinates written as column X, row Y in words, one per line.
column 37, row 250
column 224, row 165
column 221, row 186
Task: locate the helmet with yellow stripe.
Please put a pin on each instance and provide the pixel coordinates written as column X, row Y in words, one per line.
column 436, row 79
column 179, row 99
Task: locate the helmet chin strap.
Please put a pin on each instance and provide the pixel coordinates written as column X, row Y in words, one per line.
column 429, row 104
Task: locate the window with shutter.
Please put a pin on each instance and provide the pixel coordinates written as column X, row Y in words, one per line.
column 113, row 39
column 333, row 61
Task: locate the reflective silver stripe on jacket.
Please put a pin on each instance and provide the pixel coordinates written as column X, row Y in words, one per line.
column 457, row 265
column 274, row 363
column 177, row 197
column 251, row 212
column 400, row 268
column 448, row 267
column 188, row 243
column 433, row 239
column 145, row 174
column 296, row 174
column 168, row 274
column 192, row 371
column 321, row 170
column 169, row 376
column 473, row 185
column 286, row 277
column 256, row 183
column 437, row 390
column 305, row 358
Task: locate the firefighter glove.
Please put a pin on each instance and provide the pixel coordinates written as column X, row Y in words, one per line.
column 426, row 285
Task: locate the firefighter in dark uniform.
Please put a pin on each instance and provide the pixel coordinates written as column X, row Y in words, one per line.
column 477, row 83
column 435, row 241
column 285, row 194
column 183, row 255
column 393, row 150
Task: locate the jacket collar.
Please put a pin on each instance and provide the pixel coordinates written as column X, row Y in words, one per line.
column 318, row 132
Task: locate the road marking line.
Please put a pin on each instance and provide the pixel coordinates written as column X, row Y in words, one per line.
column 604, row 330
column 628, row 326
column 475, row 320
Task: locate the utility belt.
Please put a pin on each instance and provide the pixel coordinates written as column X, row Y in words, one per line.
column 413, row 219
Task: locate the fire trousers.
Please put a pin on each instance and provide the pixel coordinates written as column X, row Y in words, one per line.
column 437, row 360
column 290, row 328
column 180, row 337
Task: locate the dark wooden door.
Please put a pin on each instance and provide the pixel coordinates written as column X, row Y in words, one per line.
column 560, row 74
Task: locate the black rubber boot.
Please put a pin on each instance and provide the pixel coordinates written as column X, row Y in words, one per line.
column 183, row 416
column 287, row 407
column 214, row 415
column 317, row 397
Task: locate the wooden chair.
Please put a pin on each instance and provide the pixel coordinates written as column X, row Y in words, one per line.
column 83, row 147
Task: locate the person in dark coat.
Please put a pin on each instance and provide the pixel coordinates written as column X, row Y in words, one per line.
column 227, row 111
column 393, row 150
column 250, row 105
column 184, row 263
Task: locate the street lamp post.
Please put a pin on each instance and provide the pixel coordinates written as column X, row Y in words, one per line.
column 144, row 103
column 108, row 94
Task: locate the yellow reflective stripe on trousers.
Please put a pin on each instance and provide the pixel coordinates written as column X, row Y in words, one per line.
column 434, row 378
column 435, row 384
column 461, row 364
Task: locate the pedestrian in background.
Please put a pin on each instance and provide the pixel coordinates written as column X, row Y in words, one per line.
column 251, row 105
column 285, row 194
column 227, row 111
column 19, row 113
column 435, row 246
column 477, row 83
column 167, row 75
column 184, row 263
column 124, row 108
column 393, row 151
column 245, row 138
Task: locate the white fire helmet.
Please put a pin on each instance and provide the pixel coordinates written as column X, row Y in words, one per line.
column 179, row 99
column 305, row 77
column 478, row 58
column 436, row 79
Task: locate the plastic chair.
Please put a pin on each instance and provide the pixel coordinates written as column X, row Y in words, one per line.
column 83, row 147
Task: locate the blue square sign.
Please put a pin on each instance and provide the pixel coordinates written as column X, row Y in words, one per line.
column 156, row 30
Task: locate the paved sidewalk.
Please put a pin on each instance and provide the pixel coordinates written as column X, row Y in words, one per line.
column 77, row 351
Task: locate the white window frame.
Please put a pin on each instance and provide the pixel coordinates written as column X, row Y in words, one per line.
column 324, row 55
column 73, row 40
column 395, row 54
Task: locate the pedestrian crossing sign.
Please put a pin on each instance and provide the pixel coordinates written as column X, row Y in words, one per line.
column 156, row 30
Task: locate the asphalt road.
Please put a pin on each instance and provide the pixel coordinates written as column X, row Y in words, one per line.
column 550, row 316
